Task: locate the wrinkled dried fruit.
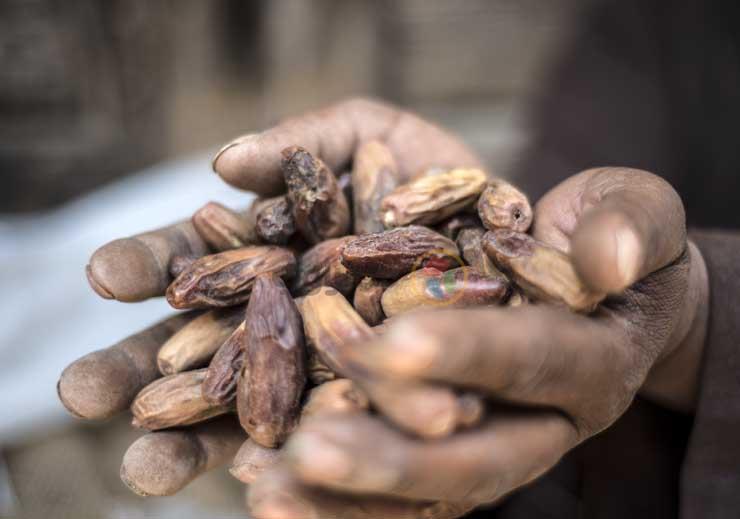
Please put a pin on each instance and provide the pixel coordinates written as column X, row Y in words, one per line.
column 452, row 227
column 172, row 401
column 338, row 396
column 275, row 223
column 196, row 342
column 275, row 368
column 457, row 288
column 331, row 324
column 374, row 175
column 541, row 271
column 321, row 265
column 226, row 278
column 320, row 208
column 502, row 206
column 222, row 228
column 431, row 199
column 367, row 300
column 391, row 254
column 470, row 243
column 219, row 385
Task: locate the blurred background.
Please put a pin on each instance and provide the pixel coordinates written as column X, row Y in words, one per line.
column 109, row 113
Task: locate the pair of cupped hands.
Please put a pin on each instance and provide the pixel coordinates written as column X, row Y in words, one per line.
column 554, row 378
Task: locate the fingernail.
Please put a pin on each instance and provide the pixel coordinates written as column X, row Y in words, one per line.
column 628, row 254
column 236, row 142
column 318, row 458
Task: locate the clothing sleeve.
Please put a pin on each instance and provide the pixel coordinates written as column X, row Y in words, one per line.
column 711, row 474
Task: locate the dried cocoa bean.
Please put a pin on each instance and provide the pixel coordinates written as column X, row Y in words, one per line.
column 367, row 300
column 222, row 228
column 321, row 265
column 457, row 288
column 274, row 375
column 226, row 278
column 320, row 208
column 374, row 175
column 541, row 272
column 196, row 342
column 431, row 199
column 172, row 401
column 219, row 385
column 452, row 227
column 331, row 324
column 502, row 206
column 275, row 223
column 391, row 254
column 470, row 243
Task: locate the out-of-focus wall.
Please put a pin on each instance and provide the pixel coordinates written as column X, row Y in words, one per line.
column 94, row 89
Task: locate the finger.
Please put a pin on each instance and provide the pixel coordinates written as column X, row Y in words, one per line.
column 252, row 460
column 161, row 463
column 137, row 268
column 630, row 223
column 535, row 354
column 252, row 162
column 361, row 454
column 425, row 410
column 104, row 383
column 279, row 495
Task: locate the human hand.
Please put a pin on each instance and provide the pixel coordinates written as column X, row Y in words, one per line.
column 568, row 376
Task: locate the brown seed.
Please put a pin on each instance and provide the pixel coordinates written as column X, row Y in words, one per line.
column 137, row 268
column 219, row 385
column 431, row 199
column 430, row 288
column 275, row 368
column 105, row 382
column 391, row 254
column 367, row 300
column 321, row 265
column 470, row 243
column 452, row 227
column 275, row 222
column 338, row 396
column 374, row 175
column 174, row 400
column 331, row 324
column 222, row 228
column 502, row 206
column 195, row 343
column 541, row 272
column 320, row 208
column 226, row 278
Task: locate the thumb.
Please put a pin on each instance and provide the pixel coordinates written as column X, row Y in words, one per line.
column 633, row 223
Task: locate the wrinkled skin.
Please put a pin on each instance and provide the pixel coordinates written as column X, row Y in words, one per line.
column 625, row 231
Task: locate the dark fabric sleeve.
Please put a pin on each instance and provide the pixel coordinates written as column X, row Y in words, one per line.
column 711, row 474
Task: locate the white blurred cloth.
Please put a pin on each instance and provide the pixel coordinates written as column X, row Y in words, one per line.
column 49, row 316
